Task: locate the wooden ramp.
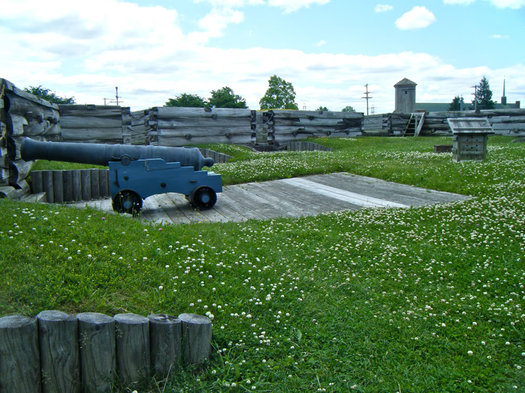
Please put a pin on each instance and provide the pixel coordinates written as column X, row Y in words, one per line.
column 296, row 197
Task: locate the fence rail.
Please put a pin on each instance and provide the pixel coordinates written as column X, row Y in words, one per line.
column 91, row 352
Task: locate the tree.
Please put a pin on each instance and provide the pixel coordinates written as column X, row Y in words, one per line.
column 455, row 105
column 322, row 109
column 49, row 95
column 225, row 98
column 348, row 108
column 483, row 95
column 280, row 95
column 187, row 100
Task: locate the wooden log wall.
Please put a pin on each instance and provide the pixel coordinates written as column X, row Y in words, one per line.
column 503, row 121
column 175, row 126
column 94, row 123
column 509, row 122
column 22, row 115
column 59, row 352
column 285, row 125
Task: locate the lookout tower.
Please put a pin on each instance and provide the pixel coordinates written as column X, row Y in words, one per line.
column 405, row 96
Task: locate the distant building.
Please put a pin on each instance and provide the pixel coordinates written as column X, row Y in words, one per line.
column 405, row 96
column 443, row 106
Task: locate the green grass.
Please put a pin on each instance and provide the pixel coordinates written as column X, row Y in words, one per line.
column 424, row 299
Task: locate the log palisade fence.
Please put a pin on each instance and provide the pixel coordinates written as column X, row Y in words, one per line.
column 509, row 122
column 93, row 353
column 24, row 115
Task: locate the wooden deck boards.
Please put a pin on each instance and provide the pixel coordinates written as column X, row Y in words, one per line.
column 295, row 197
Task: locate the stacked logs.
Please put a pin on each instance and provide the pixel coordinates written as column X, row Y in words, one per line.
column 176, row 126
column 286, row 125
column 91, row 352
column 94, row 123
column 22, row 115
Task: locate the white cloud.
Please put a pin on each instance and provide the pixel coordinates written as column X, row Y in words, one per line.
column 320, row 43
column 77, row 50
column 294, row 5
column 383, row 8
column 460, row 2
column 416, row 18
column 514, row 4
column 500, row 36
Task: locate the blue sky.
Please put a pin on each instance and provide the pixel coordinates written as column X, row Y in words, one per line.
column 329, row 49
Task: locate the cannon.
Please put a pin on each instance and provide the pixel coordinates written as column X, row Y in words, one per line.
column 137, row 172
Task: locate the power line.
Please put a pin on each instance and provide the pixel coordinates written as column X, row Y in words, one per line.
column 367, row 97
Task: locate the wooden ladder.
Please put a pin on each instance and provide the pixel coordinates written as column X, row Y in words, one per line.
column 414, row 124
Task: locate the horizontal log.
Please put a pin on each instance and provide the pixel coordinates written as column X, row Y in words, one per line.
column 507, row 126
column 181, row 141
column 507, row 119
column 92, row 134
column 90, row 122
column 38, row 109
column 285, row 114
column 168, row 113
column 7, row 86
column 312, row 130
column 92, row 111
column 205, row 131
column 202, row 122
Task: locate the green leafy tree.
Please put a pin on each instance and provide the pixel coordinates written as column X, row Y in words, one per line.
column 348, row 108
column 322, row 109
column 187, row 101
column 455, row 105
column 484, row 95
column 49, row 95
column 280, row 95
column 225, row 98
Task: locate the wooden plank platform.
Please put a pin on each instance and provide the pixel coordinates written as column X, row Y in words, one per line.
column 296, row 197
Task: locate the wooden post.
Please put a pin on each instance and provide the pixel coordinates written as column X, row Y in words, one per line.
column 85, row 180
column 36, row 182
column 196, row 338
column 104, row 182
column 95, row 184
column 133, row 356
column 68, row 186
column 165, row 338
column 97, row 352
column 76, row 185
column 47, row 184
column 19, row 357
column 59, row 359
column 58, row 186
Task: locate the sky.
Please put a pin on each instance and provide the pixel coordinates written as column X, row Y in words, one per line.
column 153, row 50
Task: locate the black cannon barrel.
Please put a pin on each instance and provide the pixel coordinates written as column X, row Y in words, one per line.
column 101, row 154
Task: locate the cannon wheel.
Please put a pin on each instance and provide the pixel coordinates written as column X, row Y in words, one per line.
column 203, row 198
column 127, row 202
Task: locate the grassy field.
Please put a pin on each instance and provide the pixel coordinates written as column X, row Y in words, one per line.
column 378, row 300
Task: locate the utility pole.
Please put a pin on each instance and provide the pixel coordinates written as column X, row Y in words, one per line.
column 367, row 97
column 112, row 101
column 476, row 109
